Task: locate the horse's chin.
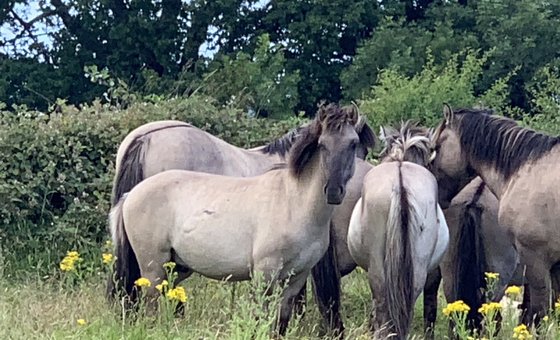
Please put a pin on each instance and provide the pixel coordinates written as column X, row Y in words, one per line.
column 334, row 200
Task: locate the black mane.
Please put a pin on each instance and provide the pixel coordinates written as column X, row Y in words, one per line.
column 282, row 145
column 500, row 141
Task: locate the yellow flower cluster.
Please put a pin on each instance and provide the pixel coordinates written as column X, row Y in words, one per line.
column 513, row 290
column 487, row 308
column 456, row 307
column 162, row 285
column 81, row 322
column 521, row 332
column 68, row 263
column 107, row 258
column 492, row 276
column 557, row 305
column 177, row 294
column 169, row 265
column 143, row 282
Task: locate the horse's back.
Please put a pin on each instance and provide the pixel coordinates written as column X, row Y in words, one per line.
column 146, row 129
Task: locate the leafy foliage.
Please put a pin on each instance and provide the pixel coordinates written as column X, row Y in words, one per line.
column 259, row 83
column 420, row 97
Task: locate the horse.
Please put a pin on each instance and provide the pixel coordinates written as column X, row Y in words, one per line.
column 164, row 145
column 478, row 243
column 223, row 227
column 520, row 167
column 398, row 233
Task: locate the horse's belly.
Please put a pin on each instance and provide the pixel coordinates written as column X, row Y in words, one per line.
column 216, row 252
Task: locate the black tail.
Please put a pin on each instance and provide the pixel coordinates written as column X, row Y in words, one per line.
column 131, row 171
column 126, row 269
column 470, row 261
column 398, row 263
column 326, row 284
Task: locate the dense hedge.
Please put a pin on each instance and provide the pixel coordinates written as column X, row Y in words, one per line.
column 56, row 171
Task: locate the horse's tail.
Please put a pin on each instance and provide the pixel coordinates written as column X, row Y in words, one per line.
column 470, row 261
column 131, row 168
column 326, row 284
column 126, row 269
column 399, row 267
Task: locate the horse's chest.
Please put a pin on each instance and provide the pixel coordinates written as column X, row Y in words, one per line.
column 306, row 252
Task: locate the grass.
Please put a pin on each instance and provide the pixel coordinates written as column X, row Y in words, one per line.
column 49, row 307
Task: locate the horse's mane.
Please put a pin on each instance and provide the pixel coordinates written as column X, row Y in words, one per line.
column 406, row 142
column 499, row 141
column 332, row 118
column 283, row 144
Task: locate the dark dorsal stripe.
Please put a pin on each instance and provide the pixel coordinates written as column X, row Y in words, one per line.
column 500, row 141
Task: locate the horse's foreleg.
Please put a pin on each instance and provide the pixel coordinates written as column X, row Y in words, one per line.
column 326, row 284
column 430, row 301
column 289, row 295
column 301, row 300
column 539, row 281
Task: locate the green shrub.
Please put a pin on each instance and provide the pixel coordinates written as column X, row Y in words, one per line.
column 56, row 171
column 421, row 97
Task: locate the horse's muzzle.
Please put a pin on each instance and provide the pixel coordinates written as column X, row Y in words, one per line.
column 335, row 194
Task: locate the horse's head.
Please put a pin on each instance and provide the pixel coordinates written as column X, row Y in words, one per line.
column 451, row 165
column 408, row 142
column 333, row 138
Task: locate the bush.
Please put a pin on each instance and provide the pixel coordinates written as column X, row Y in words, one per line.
column 421, row 97
column 56, row 171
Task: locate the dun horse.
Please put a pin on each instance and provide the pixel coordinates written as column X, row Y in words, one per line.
column 478, row 243
column 521, row 167
column 166, row 145
column 398, row 234
column 227, row 227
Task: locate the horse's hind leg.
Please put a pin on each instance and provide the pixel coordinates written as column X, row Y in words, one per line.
column 295, row 283
column 430, row 301
column 182, row 274
column 151, row 267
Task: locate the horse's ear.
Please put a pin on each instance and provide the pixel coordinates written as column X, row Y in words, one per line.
column 382, row 133
column 352, row 113
column 448, row 114
column 322, row 112
column 432, row 156
column 365, row 133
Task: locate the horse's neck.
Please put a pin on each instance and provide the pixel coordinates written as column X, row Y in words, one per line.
column 308, row 189
column 495, row 181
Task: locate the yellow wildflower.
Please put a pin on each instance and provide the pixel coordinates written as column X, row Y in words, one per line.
column 456, row 307
column 81, row 322
column 177, row 294
column 513, row 290
column 545, row 318
column 68, row 263
column 489, row 307
column 109, row 244
column 73, row 254
column 107, row 258
column 492, row 276
column 169, row 265
column 521, row 332
column 163, row 284
column 557, row 305
column 143, row 282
